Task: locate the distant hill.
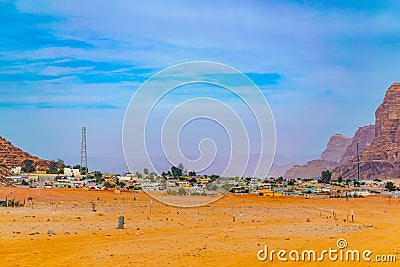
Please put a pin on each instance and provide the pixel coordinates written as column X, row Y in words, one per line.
column 336, row 148
column 364, row 137
column 378, row 146
column 340, row 149
column 279, row 170
column 311, row 169
column 11, row 156
column 382, row 158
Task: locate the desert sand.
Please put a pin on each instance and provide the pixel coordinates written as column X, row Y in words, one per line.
column 228, row 232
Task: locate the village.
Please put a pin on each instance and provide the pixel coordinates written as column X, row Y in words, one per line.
column 176, row 182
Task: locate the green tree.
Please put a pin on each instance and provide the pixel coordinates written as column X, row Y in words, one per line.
column 83, row 170
column 60, row 163
column 182, row 192
column 340, row 179
column 97, row 174
column 108, row 185
column 390, row 186
column 28, row 166
column 77, row 166
column 53, row 167
column 326, row 176
column 176, row 172
column 213, row 177
column 146, row 171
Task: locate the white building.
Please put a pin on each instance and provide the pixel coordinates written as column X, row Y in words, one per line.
column 71, row 172
column 62, row 185
column 363, row 193
column 16, row 179
column 16, row 170
column 124, row 178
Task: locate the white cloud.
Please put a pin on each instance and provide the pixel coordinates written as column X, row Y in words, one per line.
column 331, row 59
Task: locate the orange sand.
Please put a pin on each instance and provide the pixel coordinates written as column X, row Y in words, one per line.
column 170, row 236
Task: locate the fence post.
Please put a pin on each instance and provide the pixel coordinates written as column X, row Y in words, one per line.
column 121, row 222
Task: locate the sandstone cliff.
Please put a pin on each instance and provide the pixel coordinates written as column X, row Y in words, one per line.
column 364, row 137
column 312, row 169
column 330, row 159
column 11, row 156
column 381, row 159
column 3, row 172
column 340, row 149
column 279, row 170
column 336, row 148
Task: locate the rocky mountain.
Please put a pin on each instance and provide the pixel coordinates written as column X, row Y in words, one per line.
column 11, row 156
column 336, row 148
column 364, row 137
column 339, row 150
column 278, row 170
column 4, row 171
column 382, row 158
column 311, row 169
column 330, row 159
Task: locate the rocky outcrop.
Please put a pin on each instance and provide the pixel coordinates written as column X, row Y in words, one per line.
column 382, row 158
column 330, row 159
column 4, row 171
column 336, row 148
column 364, row 137
column 311, row 169
column 279, row 170
column 11, row 156
column 340, row 149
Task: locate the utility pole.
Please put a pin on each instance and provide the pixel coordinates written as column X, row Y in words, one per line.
column 84, row 164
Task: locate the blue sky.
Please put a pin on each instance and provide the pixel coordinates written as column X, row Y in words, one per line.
column 323, row 66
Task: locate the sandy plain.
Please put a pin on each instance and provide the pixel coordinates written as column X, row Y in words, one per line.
column 228, row 232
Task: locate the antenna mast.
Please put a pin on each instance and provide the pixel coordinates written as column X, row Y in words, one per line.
column 84, row 164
